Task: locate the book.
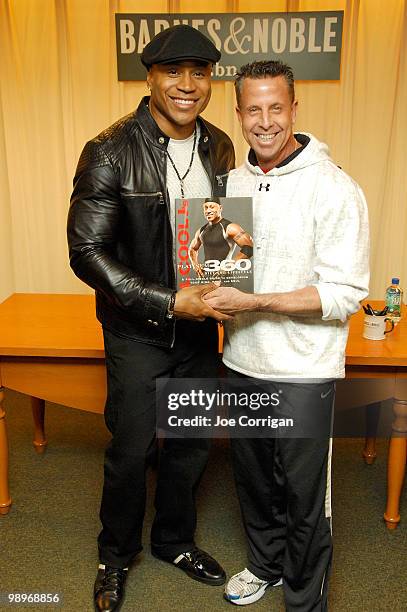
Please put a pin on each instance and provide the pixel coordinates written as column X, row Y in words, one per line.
column 213, row 242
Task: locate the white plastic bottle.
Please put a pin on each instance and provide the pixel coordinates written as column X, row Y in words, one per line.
column 394, row 300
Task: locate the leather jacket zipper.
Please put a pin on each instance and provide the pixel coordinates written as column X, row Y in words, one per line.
column 132, row 194
column 173, row 334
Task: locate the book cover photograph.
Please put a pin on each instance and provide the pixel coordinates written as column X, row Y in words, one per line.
column 213, row 238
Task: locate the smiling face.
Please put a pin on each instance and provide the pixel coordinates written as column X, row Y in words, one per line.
column 267, row 113
column 212, row 212
column 179, row 93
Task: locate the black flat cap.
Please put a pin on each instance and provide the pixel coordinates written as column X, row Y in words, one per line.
column 181, row 42
column 213, row 199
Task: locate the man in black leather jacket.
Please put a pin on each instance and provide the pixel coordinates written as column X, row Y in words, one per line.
column 121, row 244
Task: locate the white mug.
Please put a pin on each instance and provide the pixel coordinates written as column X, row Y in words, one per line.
column 374, row 327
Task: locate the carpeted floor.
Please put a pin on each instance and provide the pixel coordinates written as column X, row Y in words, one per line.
column 47, row 541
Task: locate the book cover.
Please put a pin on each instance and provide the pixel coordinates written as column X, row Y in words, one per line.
column 213, row 238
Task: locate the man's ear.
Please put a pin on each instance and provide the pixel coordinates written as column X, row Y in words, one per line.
column 239, row 114
column 294, row 108
column 149, row 78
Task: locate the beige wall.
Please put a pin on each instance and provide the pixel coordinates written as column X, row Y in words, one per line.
column 59, row 88
column 6, row 251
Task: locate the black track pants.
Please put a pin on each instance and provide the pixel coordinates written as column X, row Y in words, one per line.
column 283, row 487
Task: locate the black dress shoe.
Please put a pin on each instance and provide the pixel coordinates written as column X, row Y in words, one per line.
column 198, row 565
column 108, row 592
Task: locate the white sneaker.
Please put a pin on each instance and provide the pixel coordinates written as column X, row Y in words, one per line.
column 245, row 588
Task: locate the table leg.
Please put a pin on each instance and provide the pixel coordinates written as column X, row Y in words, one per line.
column 5, row 500
column 369, row 452
column 396, row 463
column 38, row 411
column 372, row 419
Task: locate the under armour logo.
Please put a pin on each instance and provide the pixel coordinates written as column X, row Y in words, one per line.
column 266, row 186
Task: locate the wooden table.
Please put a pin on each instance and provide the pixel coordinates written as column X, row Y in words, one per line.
column 384, row 359
column 51, row 348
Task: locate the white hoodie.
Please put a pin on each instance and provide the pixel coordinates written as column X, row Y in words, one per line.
column 310, row 228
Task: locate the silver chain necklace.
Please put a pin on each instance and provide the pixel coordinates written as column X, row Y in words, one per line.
column 182, row 178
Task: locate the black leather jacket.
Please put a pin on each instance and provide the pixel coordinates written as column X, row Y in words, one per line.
column 119, row 231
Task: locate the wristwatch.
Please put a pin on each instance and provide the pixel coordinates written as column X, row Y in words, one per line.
column 170, row 307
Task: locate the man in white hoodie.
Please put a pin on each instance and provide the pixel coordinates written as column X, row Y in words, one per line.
column 310, row 259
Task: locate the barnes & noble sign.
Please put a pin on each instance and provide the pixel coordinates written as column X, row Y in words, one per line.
column 309, row 42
